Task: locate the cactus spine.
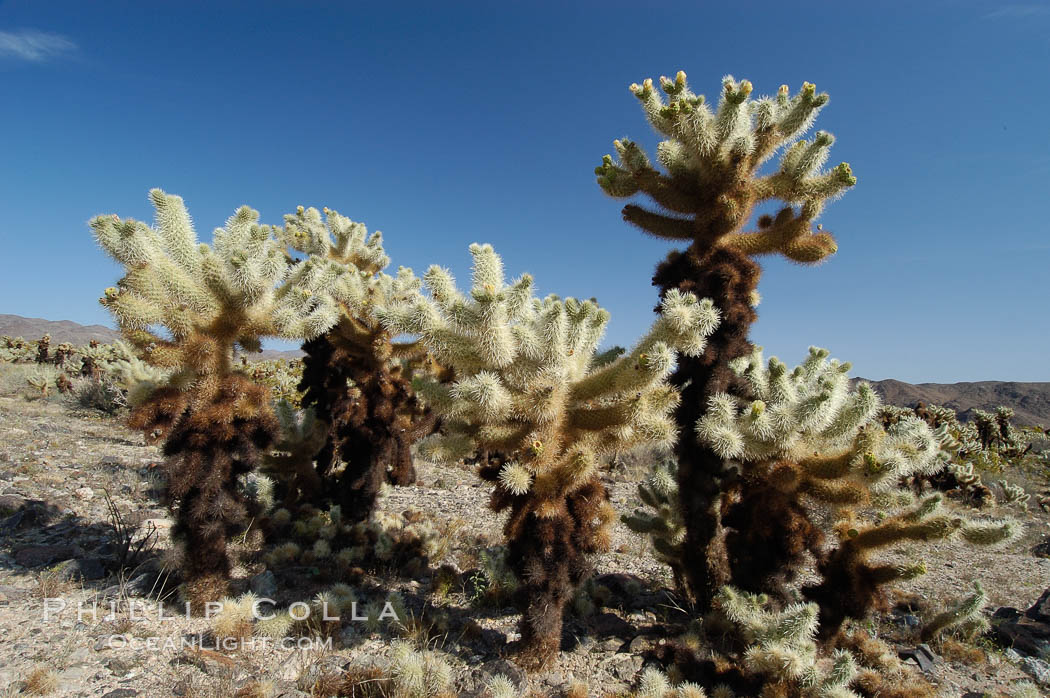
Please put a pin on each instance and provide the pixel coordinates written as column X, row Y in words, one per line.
column 525, row 386
column 210, row 299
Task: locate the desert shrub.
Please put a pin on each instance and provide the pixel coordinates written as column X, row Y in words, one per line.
column 102, row 394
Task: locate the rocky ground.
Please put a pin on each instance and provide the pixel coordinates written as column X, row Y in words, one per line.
column 75, row 485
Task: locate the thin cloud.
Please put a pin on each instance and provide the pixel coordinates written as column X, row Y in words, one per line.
column 34, row 46
column 1019, row 11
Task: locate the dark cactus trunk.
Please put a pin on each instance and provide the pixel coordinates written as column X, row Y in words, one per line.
column 552, row 557
column 372, row 413
column 728, row 278
column 218, row 437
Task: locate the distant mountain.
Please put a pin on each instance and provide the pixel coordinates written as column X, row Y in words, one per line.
column 33, row 328
column 1029, row 401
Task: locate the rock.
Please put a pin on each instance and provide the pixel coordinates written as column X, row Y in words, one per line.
column 144, row 584
column 922, row 655
column 911, row 621
column 37, row 555
column 120, row 667
column 76, row 675
column 612, row 644
column 626, row 586
column 1021, row 632
column 606, row 624
column 121, row 693
column 264, row 584
column 10, row 503
column 1040, row 610
column 84, row 492
column 10, row 593
column 1006, row 613
column 643, row 643
column 12, row 522
column 625, row 666
column 1012, row 655
column 88, row 568
column 502, row 666
column 1042, row 550
column 1037, row 669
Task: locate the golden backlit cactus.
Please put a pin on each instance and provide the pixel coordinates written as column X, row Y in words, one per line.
column 187, row 306
column 710, row 177
column 711, row 182
column 526, row 387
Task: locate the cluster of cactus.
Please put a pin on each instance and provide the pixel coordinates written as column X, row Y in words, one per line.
column 336, row 547
column 411, row 673
column 87, row 372
column 525, row 388
column 748, row 645
column 808, row 439
column 326, row 614
column 519, row 386
column 989, row 443
column 281, row 376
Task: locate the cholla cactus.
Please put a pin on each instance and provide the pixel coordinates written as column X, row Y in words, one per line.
column 281, row 376
column 705, row 196
column 964, row 617
column 808, row 436
column 1014, row 495
column 341, row 548
column 43, row 349
column 525, row 388
column 16, row 350
column 989, row 443
column 781, row 648
column 663, row 524
column 210, row 299
column 356, row 379
column 748, row 645
column 301, row 438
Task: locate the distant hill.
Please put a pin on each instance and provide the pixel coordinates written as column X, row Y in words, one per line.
column 1029, row 401
column 33, row 328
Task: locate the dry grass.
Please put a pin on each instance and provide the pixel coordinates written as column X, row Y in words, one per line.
column 52, row 585
column 955, row 651
column 41, row 681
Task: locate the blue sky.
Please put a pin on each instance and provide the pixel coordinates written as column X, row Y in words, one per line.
column 443, row 124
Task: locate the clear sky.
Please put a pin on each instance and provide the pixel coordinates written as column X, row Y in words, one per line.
column 443, row 124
